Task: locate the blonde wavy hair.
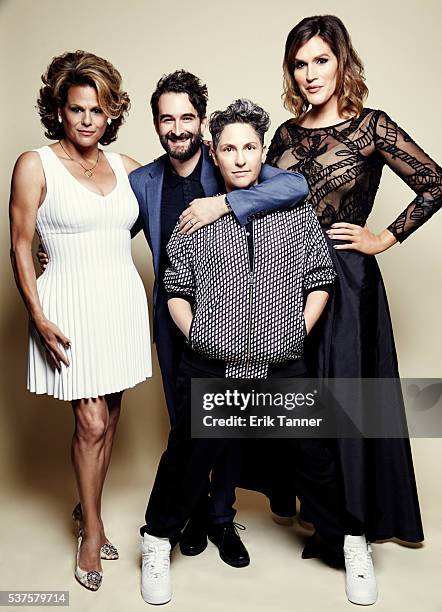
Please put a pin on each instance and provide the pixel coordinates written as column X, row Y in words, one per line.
column 82, row 68
column 350, row 82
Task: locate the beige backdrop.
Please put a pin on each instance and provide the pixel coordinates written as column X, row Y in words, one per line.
column 236, row 48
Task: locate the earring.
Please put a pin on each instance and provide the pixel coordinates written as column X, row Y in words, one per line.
column 109, row 120
column 60, row 120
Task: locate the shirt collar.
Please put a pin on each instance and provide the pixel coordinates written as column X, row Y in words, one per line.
column 173, row 179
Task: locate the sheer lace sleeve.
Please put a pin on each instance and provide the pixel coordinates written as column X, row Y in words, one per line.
column 280, row 142
column 414, row 166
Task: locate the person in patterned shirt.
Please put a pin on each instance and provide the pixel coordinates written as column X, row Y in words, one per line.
column 245, row 298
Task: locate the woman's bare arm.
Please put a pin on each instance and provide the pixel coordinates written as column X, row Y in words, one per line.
column 27, row 193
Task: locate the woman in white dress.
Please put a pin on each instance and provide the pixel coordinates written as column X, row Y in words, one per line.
column 89, row 327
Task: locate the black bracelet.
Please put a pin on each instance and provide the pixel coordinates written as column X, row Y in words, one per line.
column 226, row 201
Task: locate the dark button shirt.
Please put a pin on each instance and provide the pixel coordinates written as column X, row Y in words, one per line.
column 178, row 193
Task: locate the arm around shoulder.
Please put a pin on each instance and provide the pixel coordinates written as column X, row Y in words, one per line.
column 278, row 190
column 293, row 183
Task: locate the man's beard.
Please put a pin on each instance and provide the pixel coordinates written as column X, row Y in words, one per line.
column 193, row 142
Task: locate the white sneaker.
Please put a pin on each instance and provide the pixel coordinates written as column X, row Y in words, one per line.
column 156, row 586
column 360, row 581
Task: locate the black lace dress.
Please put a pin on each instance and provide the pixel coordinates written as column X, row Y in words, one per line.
column 343, row 166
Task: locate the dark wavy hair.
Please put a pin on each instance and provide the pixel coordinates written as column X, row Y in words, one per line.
column 240, row 111
column 350, row 84
column 181, row 81
column 82, row 68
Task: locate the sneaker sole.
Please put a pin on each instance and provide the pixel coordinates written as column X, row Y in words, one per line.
column 363, row 601
column 155, row 601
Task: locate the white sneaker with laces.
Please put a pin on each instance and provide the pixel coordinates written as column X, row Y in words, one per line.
column 156, row 586
column 360, row 581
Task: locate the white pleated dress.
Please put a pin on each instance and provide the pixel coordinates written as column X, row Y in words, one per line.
column 90, row 289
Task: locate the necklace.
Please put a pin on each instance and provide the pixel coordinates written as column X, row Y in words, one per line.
column 89, row 172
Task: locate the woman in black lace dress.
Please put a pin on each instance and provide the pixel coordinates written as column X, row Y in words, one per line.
column 341, row 148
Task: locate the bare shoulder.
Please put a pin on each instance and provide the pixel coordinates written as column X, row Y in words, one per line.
column 28, row 185
column 130, row 164
column 29, row 160
column 28, row 168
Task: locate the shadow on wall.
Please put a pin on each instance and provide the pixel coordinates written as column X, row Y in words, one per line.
column 36, row 430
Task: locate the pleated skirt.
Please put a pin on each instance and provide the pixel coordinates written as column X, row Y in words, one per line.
column 104, row 313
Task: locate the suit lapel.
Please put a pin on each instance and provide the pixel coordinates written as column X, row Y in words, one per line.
column 154, row 188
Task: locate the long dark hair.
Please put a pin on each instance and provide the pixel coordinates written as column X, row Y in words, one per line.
column 350, row 84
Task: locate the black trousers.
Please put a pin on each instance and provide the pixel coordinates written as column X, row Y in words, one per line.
column 216, row 503
column 184, row 467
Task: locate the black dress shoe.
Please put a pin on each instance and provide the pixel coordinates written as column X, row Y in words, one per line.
column 194, row 538
column 231, row 549
column 330, row 552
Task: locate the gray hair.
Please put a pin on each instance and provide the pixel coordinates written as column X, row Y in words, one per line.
column 240, row 111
